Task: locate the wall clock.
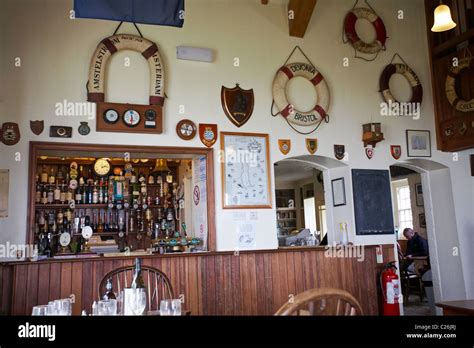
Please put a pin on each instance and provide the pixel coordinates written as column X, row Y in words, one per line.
column 186, row 129
column 131, row 118
column 102, row 167
column 111, row 116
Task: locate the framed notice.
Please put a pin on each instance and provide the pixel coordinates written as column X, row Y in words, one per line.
column 418, row 143
column 419, row 195
column 245, row 170
column 4, row 182
column 338, row 192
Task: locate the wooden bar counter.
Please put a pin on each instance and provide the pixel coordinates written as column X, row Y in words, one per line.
column 213, row 283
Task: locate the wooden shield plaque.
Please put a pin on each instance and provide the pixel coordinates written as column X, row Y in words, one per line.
column 208, row 134
column 237, row 104
column 37, row 127
column 10, row 133
column 284, row 145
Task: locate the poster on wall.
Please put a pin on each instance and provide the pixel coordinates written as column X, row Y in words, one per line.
column 245, row 171
column 199, row 199
column 4, row 182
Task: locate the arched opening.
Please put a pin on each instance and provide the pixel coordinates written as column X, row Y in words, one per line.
column 441, row 228
column 305, row 203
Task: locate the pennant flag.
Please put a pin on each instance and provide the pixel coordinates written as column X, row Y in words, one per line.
column 160, row 12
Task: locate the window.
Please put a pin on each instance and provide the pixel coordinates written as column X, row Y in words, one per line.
column 405, row 217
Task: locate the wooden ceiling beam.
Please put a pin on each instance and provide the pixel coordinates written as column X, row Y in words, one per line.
column 299, row 15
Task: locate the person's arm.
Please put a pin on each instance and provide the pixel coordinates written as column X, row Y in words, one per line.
column 410, row 248
column 423, row 247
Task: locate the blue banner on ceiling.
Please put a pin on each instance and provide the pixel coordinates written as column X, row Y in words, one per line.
column 160, row 12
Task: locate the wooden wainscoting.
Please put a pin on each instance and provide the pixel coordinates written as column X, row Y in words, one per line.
column 219, row 283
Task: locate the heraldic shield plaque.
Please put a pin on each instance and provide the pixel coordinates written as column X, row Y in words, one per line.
column 237, row 104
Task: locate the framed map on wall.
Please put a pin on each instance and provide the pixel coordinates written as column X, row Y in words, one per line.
column 245, row 170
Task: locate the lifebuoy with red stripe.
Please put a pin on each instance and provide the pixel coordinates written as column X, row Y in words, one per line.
column 409, row 74
column 112, row 44
column 318, row 112
column 450, row 87
column 350, row 30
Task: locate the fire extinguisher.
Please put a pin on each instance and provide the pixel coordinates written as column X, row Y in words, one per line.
column 390, row 290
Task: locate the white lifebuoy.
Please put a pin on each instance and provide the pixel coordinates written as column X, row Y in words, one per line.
column 285, row 74
column 115, row 43
column 350, row 30
column 450, row 87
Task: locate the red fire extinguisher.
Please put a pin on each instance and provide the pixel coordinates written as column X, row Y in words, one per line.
column 390, row 290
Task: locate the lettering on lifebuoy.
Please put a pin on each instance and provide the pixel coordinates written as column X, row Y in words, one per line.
column 450, row 87
column 107, row 47
column 300, row 118
column 417, row 89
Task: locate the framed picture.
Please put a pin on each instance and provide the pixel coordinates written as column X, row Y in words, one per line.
column 422, row 220
column 245, row 170
column 338, row 192
column 419, row 195
column 418, row 143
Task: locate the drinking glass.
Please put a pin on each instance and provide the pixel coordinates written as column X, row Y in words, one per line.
column 64, row 306
column 165, row 307
column 138, row 301
column 175, row 307
column 40, row 310
column 51, row 308
column 107, row 307
column 120, row 298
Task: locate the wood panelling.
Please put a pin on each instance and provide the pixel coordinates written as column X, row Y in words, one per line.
column 223, row 283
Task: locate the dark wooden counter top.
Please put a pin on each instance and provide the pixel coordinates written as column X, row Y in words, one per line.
column 460, row 307
column 201, row 253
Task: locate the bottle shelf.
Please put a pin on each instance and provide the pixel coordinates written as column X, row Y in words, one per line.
column 85, row 206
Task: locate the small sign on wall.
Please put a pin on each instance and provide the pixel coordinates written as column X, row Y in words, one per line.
column 4, row 181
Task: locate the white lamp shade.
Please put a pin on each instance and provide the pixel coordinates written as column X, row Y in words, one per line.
column 443, row 20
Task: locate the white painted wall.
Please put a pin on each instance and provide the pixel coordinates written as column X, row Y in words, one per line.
column 55, row 53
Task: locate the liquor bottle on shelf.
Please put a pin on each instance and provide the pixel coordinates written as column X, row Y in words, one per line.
column 109, row 292
column 89, row 192
column 159, row 181
column 95, row 194
column 44, row 175
column 126, row 194
column 62, row 194
column 38, row 193
column 101, row 191
column 57, row 193
column 50, row 195
column 81, row 177
column 137, row 282
column 69, row 195
column 151, row 178
column 84, row 194
column 51, row 178
column 135, row 195
column 78, row 195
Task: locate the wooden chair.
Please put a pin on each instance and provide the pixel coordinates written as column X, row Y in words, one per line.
column 324, row 301
column 157, row 283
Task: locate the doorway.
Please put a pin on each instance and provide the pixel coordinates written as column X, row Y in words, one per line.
column 300, row 204
column 412, row 241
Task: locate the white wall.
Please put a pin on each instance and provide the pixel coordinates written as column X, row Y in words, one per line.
column 55, row 53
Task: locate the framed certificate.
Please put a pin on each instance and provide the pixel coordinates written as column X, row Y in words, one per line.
column 4, row 182
column 338, row 192
column 245, row 171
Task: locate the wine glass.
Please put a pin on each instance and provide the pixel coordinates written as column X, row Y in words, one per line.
column 165, row 307
column 138, row 301
column 107, row 307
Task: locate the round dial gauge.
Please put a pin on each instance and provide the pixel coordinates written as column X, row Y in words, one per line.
column 131, row 118
column 64, row 239
column 111, row 116
column 102, row 167
column 186, row 129
column 87, row 232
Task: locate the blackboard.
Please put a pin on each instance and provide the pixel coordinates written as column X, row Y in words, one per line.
column 372, row 202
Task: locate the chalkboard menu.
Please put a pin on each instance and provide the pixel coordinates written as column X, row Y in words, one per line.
column 372, row 202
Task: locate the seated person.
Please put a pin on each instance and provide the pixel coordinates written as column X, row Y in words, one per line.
column 416, row 246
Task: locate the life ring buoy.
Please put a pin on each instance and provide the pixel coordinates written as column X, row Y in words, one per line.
column 112, row 44
column 450, row 88
column 409, row 74
column 350, row 30
column 285, row 74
